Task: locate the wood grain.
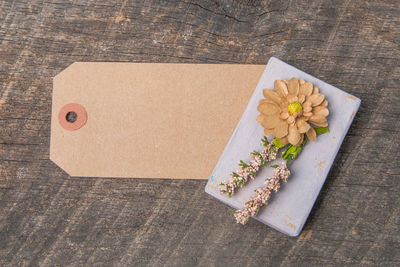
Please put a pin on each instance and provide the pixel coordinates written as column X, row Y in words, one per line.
column 50, row 219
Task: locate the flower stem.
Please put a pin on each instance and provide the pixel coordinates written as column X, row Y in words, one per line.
column 248, row 170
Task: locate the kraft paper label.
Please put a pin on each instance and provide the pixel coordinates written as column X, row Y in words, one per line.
column 147, row 120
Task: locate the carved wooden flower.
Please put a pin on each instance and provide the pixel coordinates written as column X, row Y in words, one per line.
column 289, row 109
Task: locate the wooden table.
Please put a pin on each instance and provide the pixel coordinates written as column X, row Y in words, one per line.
column 48, row 218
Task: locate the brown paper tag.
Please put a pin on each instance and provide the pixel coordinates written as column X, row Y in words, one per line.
column 147, row 120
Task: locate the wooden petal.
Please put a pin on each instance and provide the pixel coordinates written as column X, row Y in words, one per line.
column 302, row 98
column 316, row 99
column 284, row 115
column 323, row 111
column 268, row 108
column 324, row 103
column 290, row 119
column 281, row 129
column 272, row 95
column 294, row 135
column 270, row 122
column 302, row 126
column 307, row 109
column 322, row 124
column 291, row 98
column 307, row 114
column 301, row 81
column 311, row 134
column 301, row 140
column 281, row 88
column 316, row 90
column 260, row 118
column 269, row 132
column 293, row 87
column 306, row 89
column 284, row 104
column 317, row 119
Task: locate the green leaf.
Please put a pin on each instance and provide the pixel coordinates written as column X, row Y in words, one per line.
column 265, row 141
column 274, row 166
column 293, row 151
column 277, row 142
column 321, row 130
column 289, row 160
column 304, row 141
column 296, row 152
column 290, row 150
column 285, row 155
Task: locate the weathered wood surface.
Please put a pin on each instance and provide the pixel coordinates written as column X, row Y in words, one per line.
column 48, row 218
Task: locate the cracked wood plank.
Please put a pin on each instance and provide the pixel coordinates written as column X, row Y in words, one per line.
column 48, row 218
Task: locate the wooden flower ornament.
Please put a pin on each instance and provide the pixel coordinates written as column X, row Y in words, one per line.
column 288, row 111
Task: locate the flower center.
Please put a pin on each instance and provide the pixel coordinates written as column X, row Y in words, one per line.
column 294, row 107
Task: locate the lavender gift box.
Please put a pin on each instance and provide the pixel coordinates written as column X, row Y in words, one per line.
column 288, row 209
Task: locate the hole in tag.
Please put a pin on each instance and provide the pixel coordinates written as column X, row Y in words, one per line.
column 72, row 116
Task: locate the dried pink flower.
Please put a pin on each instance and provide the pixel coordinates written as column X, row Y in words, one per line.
column 262, row 194
column 248, row 171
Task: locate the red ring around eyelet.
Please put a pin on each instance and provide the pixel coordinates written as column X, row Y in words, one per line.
column 80, row 119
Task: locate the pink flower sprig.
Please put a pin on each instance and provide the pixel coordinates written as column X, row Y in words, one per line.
column 263, row 194
column 248, row 171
